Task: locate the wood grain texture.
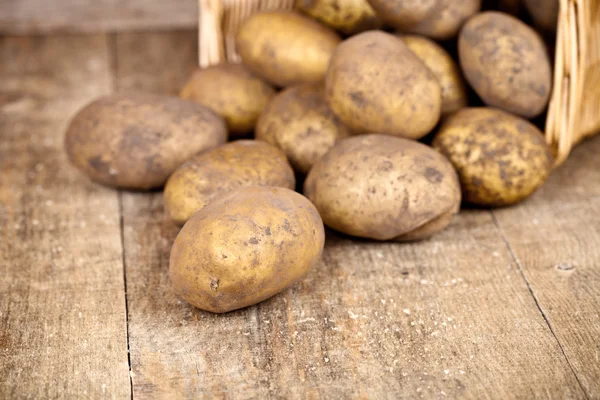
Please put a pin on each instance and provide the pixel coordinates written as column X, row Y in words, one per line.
column 555, row 237
column 62, row 313
column 451, row 316
column 41, row 16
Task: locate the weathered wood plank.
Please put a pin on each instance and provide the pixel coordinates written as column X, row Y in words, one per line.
column 555, row 237
column 446, row 317
column 62, row 313
column 42, row 16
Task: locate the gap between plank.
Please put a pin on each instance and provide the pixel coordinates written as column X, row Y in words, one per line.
column 122, row 230
column 114, row 65
column 537, row 303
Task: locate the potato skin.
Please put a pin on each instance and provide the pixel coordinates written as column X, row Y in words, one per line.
column 385, row 188
column 300, row 123
column 401, row 13
column 136, row 140
column 244, row 247
column 506, row 63
column 376, row 84
column 233, row 92
column 347, row 16
column 212, row 173
column 286, row 48
column 501, row 159
column 446, row 21
column 454, row 92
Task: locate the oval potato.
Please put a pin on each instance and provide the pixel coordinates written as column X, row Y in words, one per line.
column 376, row 84
column 244, row 247
column 300, row 123
column 347, row 16
column 454, row 92
column 212, row 173
column 506, row 63
column 446, row 21
column 286, row 48
column 136, row 140
column 233, row 92
column 501, row 159
column 385, row 188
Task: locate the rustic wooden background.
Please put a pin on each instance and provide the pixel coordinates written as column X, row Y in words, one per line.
column 502, row 304
column 45, row 16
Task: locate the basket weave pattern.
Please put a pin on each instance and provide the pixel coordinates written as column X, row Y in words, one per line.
column 574, row 108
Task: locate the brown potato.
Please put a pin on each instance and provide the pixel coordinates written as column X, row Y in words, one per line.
column 506, row 63
column 501, row 159
column 286, row 48
column 454, row 92
column 212, row 173
column 385, row 188
column 347, row 16
column 376, row 84
column 544, row 13
column 400, row 13
column 136, row 140
column 244, row 247
column 446, row 21
column 233, row 92
column 300, row 122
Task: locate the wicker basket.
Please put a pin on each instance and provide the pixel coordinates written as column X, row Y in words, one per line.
column 574, row 108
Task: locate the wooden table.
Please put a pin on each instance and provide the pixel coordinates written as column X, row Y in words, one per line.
column 502, row 304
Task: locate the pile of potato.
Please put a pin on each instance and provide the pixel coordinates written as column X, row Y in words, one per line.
column 337, row 96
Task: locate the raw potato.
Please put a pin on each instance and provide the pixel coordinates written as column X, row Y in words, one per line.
column 385, row 188
column 213, row 173
column 400, row 13
column 244, row 247
column 233, row 92
column 501, row 159
column 544, row 13
column 376, row 84
column 286, row 48
column 506, row 63
column 347, row 16
column 454, row 92
column 136, row 140
column 447, row 19
column 300, row 122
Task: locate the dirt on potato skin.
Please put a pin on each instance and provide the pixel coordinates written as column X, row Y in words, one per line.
column 505, row 61
column 245, row 247
column 501, row 159
column 300, row 123
column 136, row 140
column 384, row 188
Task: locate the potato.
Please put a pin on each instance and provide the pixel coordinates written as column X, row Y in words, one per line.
column 286, row 48
column 376, row 84
column 506, row 63
column 446, row 21
column 501, row 159
column 400, row 13
column 454, row 92
column 347, row 16
column 544, row 13
column 233, row 92
column 385, row 188
column 213, row 173
column 244, row 247
column 300, row 122
column 136, row 140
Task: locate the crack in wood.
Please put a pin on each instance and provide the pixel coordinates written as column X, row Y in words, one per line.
column 535, row 299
